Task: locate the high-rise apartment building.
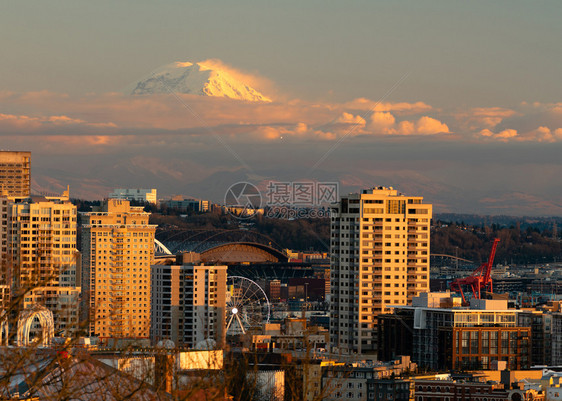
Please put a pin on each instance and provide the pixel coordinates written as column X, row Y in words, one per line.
column 188, row 302
column 14, row 181
column 5, row 272
column 42, row 256
column 117, row 251
column 15, row 177
column 379, row 258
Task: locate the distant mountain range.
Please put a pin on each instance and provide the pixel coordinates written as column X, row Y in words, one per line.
column 175, row 177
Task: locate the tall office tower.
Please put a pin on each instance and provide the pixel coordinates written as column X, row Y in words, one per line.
column 15, row 177
column 379, row 258
column 188, row 302
column 42, row 255
column 117, row 251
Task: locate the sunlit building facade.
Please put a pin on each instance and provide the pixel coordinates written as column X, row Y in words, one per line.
column 440, row 335
column 379, row 258
column 188, row 303
column 15, row 180
column 15, row 175
column 5, row 271
column 42, row 256
column 118, row 249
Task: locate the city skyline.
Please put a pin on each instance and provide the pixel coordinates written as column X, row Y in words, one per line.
column 457, row 103
column 291, row 197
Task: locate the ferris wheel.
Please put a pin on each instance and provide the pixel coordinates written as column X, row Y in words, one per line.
column 247, row 305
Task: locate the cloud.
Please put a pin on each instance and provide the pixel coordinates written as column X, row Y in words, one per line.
column 23, row 123
column 117, row 114
column 526, row 122
column 429, row 126
column 300, row 131
column 18, row 122
column 382, row 120
column 385, row 123
column 540, row 134
column 152, row 120
column 484, row 117
column 401, row 107
column 543, row 134
column 91, row 140
column 503, row 136
column 348, row 118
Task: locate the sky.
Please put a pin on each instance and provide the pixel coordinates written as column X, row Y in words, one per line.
column 459, row 102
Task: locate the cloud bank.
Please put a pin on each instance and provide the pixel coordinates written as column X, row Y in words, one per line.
column 44, row 114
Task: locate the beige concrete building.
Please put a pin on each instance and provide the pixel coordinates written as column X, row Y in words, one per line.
column 379, row 258
column 188, row 302
column 42, row 256
column 15, row 177
column 118, row 249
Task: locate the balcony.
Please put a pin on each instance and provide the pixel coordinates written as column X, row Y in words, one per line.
column 416, row 265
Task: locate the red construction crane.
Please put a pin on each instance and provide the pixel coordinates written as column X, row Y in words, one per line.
column 480, row 279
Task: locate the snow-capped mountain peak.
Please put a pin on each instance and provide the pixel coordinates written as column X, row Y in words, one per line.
column 205, row 79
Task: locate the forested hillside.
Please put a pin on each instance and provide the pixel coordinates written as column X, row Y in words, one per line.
column 526, row 240
column 474, row 243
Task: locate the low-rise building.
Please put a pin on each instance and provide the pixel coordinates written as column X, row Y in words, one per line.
column 461, row 390
column 188, row 204
column 367, row 380
column 296, row 335
column 136, row 194
column 456, row 337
